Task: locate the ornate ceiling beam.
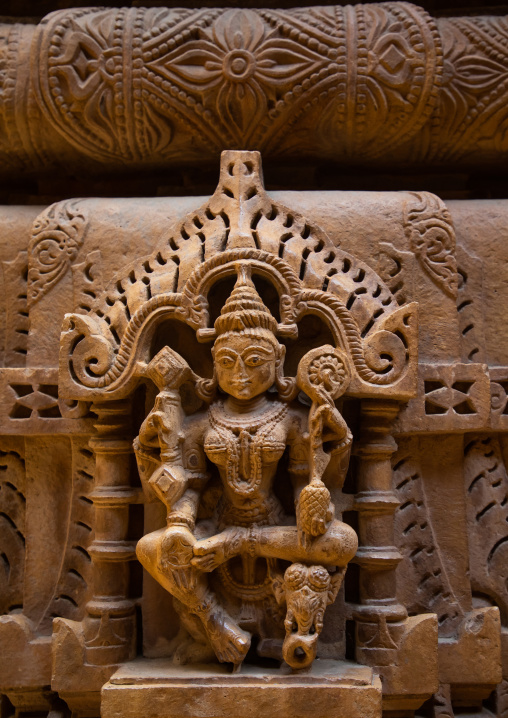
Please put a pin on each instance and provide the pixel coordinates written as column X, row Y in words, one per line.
column 154, row 87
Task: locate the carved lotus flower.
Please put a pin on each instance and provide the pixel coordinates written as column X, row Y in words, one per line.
column 248, row 63
column 327, row 371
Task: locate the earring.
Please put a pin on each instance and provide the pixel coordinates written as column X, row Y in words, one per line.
column 207, row 388
column 286, row 385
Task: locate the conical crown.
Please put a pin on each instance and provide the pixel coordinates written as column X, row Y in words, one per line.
column 244, row 308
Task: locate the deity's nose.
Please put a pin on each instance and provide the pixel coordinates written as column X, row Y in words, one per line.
column 240, row 368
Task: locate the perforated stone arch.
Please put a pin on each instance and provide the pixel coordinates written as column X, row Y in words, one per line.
column 102, row 350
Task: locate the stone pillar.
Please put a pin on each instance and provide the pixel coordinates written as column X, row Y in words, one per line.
column 110, row 624
column 379, row 618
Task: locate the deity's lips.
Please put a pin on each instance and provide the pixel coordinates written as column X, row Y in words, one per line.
column 241, row 384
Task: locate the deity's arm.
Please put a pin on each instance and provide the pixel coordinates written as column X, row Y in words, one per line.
column 176, row 480
column 308, row 460
column 335, row 428
column 193, row 457
column 298, row 442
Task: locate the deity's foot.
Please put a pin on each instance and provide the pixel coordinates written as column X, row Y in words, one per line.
column 229, row 641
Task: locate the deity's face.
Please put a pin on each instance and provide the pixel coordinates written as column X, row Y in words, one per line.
column 245, row 365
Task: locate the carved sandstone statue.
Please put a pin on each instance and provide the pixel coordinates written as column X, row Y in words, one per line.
column 230, row 555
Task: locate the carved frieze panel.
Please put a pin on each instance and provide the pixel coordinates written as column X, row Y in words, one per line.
column 236, row 278
column 238, row 77
column 341, row 306
column 150, row 86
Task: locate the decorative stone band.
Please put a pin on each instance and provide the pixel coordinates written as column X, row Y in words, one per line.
column 453, row 398
column 157, row 86
column 32, row 404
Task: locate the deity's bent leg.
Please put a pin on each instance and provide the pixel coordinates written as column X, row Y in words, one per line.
column 166, row 554
column 336, row 547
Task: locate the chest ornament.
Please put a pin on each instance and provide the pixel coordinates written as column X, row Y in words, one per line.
column 247, row 444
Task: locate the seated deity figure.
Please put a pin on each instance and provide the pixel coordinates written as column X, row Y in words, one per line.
column 238, row 564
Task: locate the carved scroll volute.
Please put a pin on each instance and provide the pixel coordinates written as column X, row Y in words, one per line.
column 57, row 236
column 431, row 235
column 392, row 351
column 384, row 361
column 85, row 354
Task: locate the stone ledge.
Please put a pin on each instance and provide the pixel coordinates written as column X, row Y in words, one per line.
column 155, row 687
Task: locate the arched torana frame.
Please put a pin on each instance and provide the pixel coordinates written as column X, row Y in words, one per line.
column 104, row 354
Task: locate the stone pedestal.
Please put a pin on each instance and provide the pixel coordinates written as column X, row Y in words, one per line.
column 154, row 687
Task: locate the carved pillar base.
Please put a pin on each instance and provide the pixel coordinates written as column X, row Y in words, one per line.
column 26, row 657
column 471, row 663
column 156, row 687
column 79, row 683
column 412, row 678
column 30, row 700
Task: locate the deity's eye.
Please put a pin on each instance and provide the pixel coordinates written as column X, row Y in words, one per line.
column 226, row 361
column 254, row 360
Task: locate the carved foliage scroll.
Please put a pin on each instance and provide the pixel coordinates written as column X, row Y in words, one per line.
column 426, row 585
column 432, row 238
column 12, row 529
column 73, row 580
column 486, row 487
column 56, row 238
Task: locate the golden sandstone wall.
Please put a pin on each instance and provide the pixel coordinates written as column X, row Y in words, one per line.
column 386, row 413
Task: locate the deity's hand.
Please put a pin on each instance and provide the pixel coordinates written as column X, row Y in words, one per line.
column 169, row 483
column 330, row 416
column 208, row 554
column 211, row 552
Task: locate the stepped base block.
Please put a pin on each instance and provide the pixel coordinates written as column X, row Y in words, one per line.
column 154, row 687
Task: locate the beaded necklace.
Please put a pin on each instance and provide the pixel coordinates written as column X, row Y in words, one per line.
column 244, row 439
